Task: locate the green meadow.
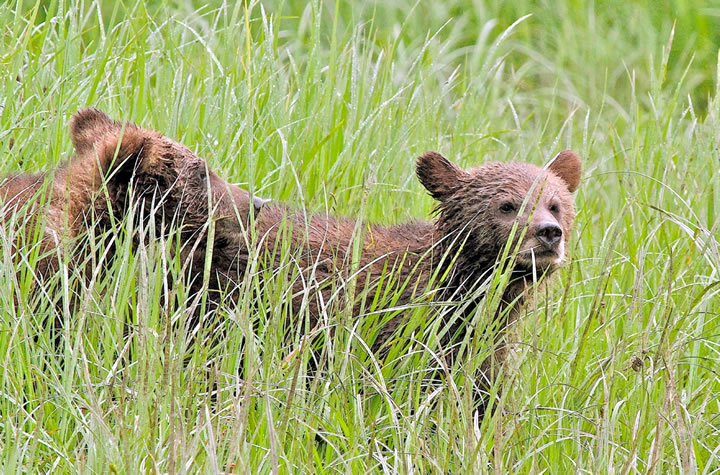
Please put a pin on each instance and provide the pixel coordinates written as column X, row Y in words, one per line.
column 326, row 105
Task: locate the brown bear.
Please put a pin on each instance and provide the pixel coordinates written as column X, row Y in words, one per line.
column 116, row 166
column 519, row 209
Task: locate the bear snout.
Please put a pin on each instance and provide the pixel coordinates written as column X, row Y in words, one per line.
column 549, row 234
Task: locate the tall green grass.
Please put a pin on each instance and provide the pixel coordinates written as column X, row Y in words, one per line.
column 325, row 105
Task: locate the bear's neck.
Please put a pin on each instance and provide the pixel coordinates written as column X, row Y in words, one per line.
column 470, row 268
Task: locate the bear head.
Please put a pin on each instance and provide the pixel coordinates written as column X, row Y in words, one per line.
column 518, row 204
column 156, row 173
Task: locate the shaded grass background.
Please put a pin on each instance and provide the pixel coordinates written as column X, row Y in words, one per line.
column 326, row 104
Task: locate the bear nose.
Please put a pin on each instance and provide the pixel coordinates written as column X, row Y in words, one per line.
column 549, row 234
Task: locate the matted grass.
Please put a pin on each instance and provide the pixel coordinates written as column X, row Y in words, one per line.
column 326, row 105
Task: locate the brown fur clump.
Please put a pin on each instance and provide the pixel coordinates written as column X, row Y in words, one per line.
column 480, row 212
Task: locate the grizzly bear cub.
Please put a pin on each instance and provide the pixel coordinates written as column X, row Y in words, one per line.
column 516, row 210
column 116, row 165
column 487, row 218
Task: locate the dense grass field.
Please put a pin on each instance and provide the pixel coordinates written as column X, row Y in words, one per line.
column 326, row 105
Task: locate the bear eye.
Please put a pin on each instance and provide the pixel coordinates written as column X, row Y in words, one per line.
column 554, row 208
column 507, row 207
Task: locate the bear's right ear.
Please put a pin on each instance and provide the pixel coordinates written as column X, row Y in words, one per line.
column 439, row 175
column 88, row 127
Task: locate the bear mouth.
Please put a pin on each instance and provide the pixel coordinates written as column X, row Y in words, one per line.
column 549, row 253
column 539, row 259
column 536, row 253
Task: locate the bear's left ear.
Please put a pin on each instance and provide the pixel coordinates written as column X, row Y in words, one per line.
column 568, row 166
column 89, row 126
column 439, row 175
